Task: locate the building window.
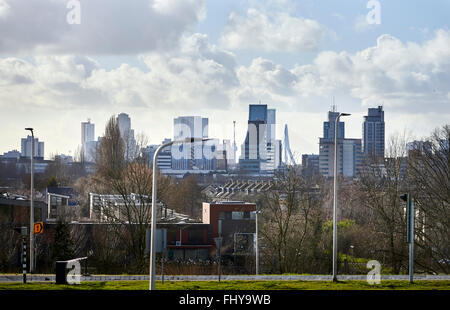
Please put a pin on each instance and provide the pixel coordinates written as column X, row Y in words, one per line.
column 195, row 236
column 224, row 215
column 235, row 215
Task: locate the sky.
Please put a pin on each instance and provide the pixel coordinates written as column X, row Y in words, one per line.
column 65, row 61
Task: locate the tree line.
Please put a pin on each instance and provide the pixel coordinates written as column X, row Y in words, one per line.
column 296, row 213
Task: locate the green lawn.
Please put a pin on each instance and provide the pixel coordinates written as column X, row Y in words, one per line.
column 234, row 285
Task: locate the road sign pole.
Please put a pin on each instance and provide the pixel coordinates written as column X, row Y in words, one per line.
column 163, row 252
column 24, row 259
column 162, row 267
column 219, row 266
column 411, row 241
column 218, row 242
column 256, row 244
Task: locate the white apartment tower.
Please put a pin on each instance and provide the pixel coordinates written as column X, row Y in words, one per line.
column 88, row 143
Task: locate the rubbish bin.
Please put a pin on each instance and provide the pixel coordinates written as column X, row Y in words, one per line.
column 61, row 272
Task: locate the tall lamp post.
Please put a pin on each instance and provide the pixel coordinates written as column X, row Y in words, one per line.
column 154, row 189
column 31, row 203
column 335, row 204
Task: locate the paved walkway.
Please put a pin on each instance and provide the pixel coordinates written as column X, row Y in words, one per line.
column 51, row 278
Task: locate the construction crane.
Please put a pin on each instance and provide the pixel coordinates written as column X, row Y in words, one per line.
column 288, row 157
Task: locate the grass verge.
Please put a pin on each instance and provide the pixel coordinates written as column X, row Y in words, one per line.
column 234, row 285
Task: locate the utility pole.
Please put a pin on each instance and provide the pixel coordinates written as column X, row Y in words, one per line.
column 220, row 248
column 152, row 265
column 410, row 215
column 335, row 196
column 257, row 242
column 411, row 242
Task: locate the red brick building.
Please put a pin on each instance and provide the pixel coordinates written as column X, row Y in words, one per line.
column 237, row 222
column 196, row 240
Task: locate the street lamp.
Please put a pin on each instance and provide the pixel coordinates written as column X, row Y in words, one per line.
column 31, row 204
column 153, row 225
column 335, row 196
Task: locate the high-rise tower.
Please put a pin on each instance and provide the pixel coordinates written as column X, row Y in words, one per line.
column 373, row 133
column 88, row 143
column 260, row 151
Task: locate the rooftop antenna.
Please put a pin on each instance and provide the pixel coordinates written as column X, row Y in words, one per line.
column 333, row 107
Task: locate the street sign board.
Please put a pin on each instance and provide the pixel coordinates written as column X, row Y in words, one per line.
column 38, row 228
column 161, row 240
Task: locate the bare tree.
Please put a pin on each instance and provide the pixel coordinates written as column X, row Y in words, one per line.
column 381, row 184
column 130, row 181
column 109, row 159
column 287, row 212
column 8, row 246
column 429, row 174
column 184, row 196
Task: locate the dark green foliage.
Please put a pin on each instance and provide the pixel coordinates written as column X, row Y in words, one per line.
column 52, row 182
column 62, row 248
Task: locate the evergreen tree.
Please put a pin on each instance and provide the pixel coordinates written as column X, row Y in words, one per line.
column 52, row 182
column 62, row 246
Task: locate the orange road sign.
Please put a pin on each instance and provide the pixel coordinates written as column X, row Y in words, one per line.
column 38, row 228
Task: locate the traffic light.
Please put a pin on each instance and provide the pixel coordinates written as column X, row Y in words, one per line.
column 407, row 199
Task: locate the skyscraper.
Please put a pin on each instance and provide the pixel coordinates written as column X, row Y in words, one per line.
column 349, row 155
column 127, row 134
column 273, row 145
column 88, row 143
column 26, row 147
column 310, row 165
column 164, row 160
column 191, row 156
column 260, row 152
column 328, row 127
column 373, row 133
column 87, row 132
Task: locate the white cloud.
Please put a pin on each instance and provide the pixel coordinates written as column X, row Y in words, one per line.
column 264, row 80
column 107, row 26
column 409, row 76
column 5, row 9
column 196, row 75
column 279, row 32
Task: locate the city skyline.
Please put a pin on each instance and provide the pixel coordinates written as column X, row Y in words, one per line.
column 279, row 126
column 200, row 65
